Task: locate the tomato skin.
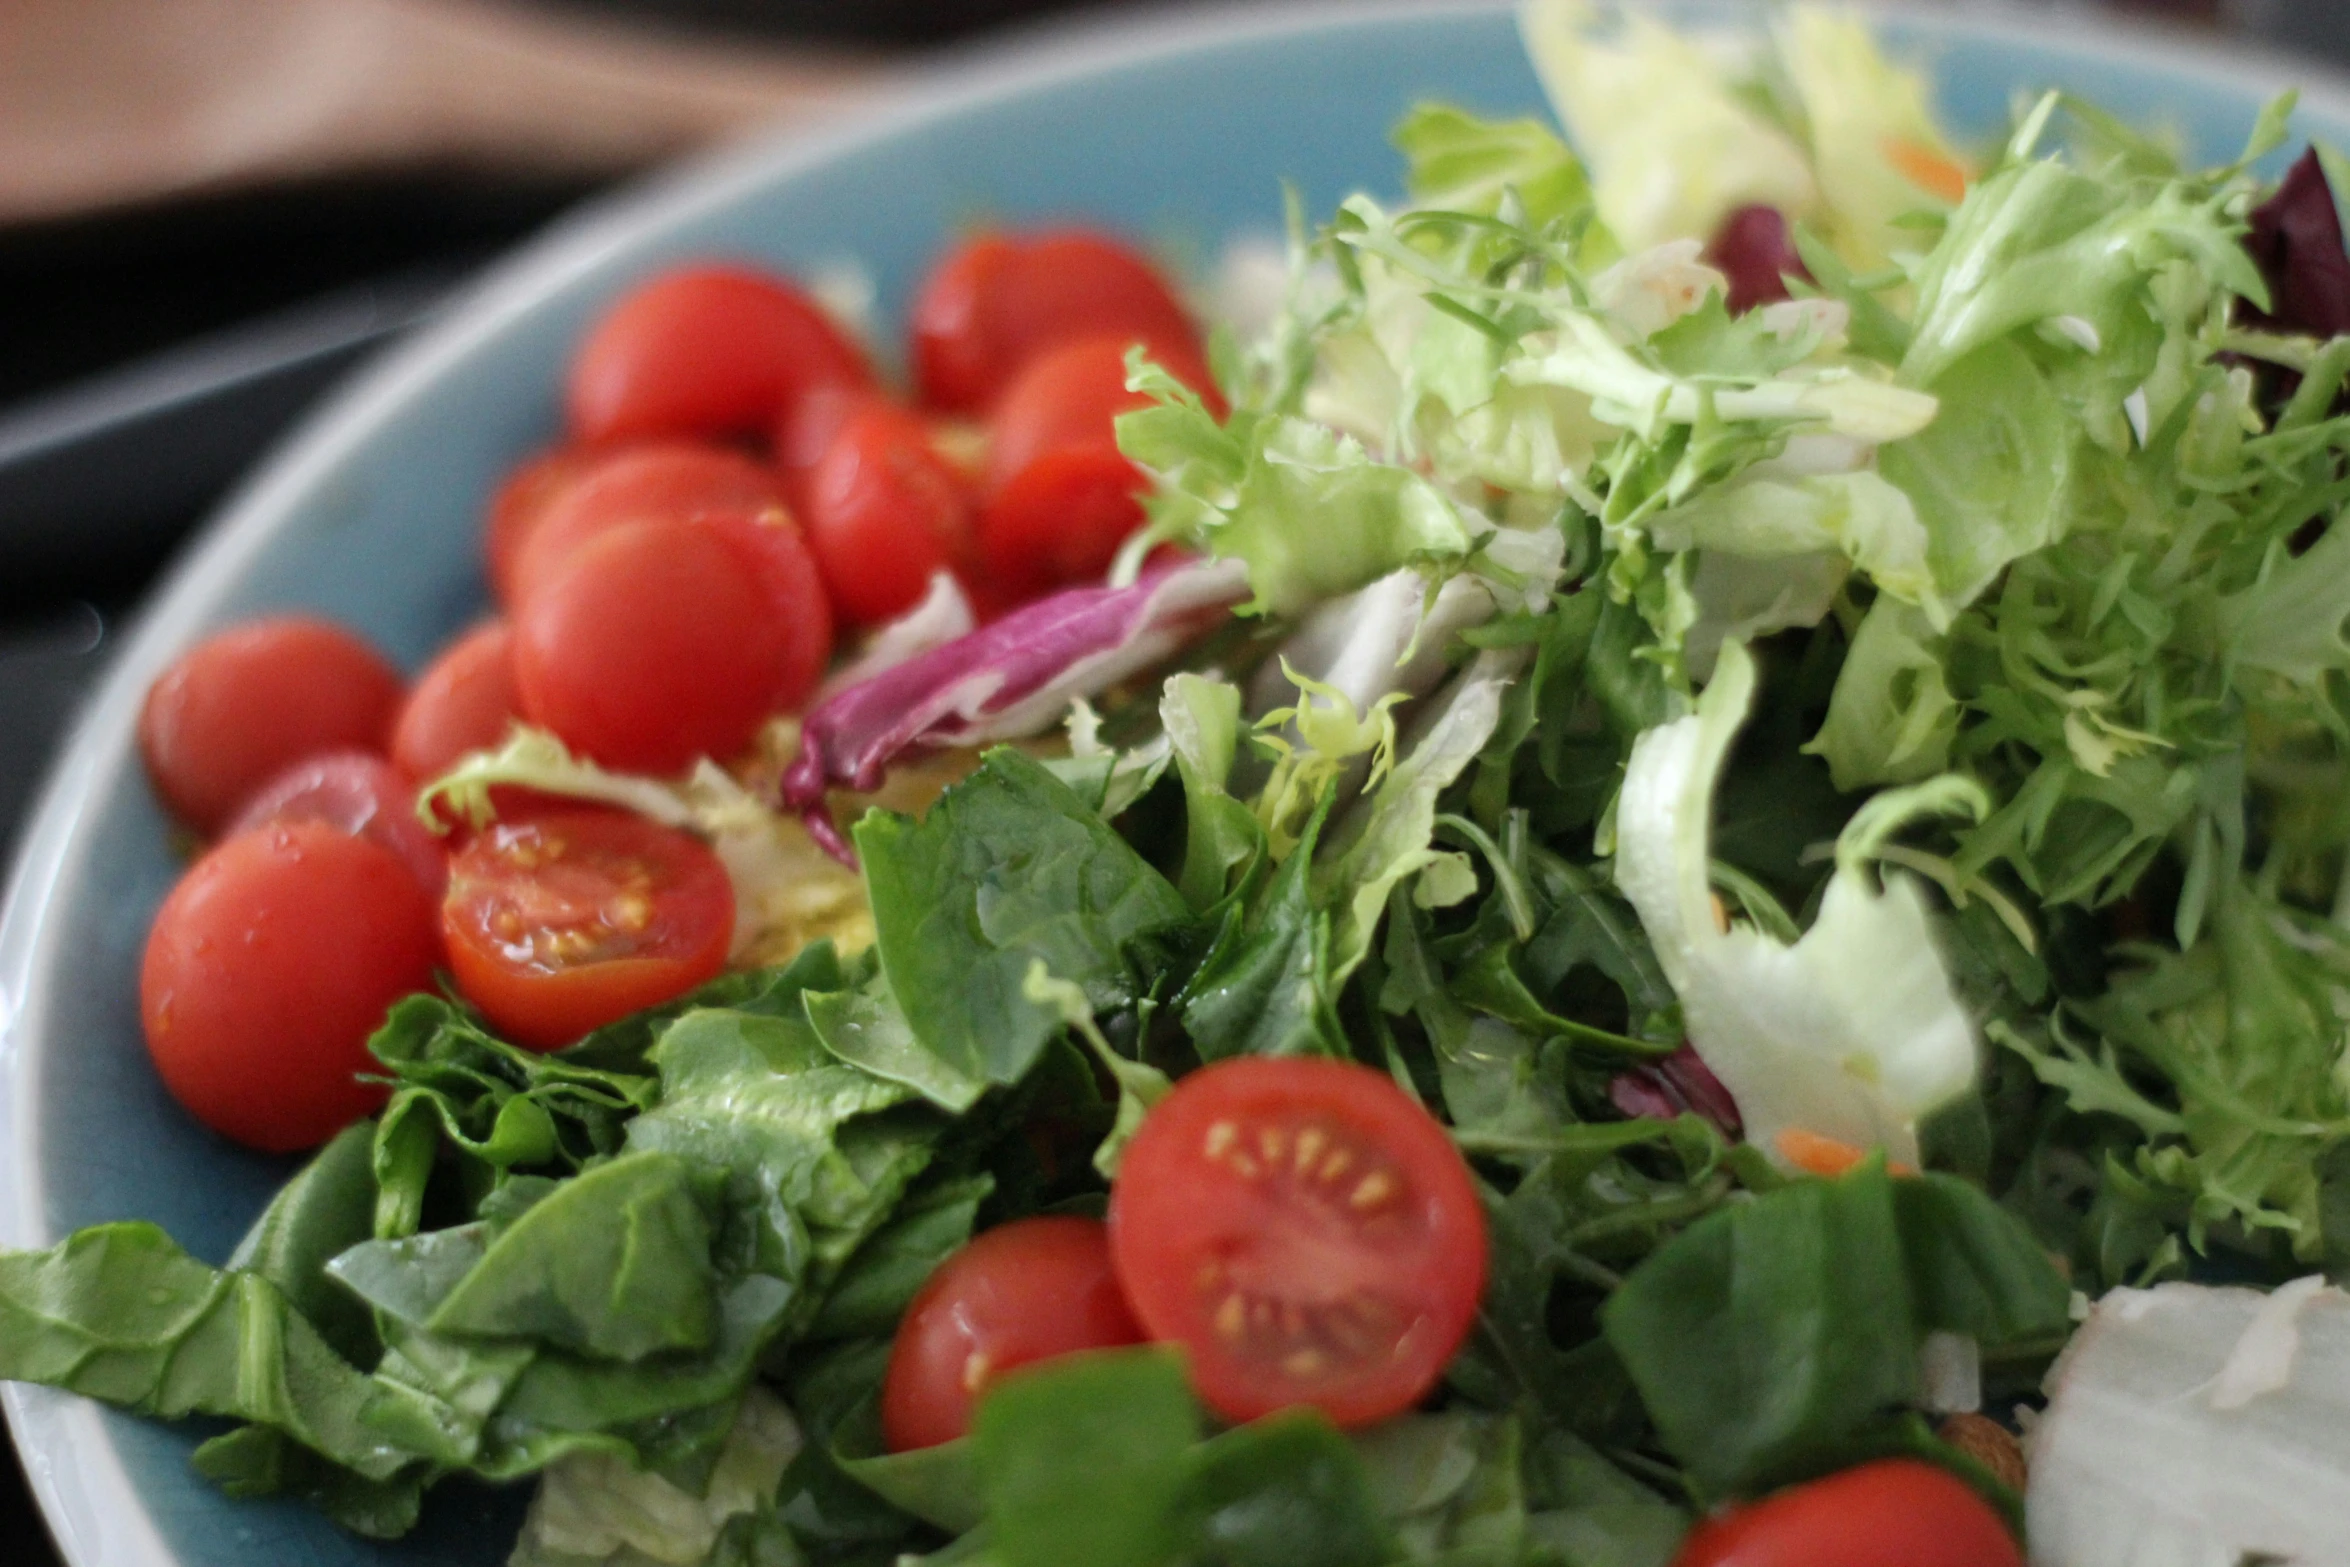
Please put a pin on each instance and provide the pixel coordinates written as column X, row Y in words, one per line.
column 1896, row 1512
column 884, row 512
column 994, row 302
column 1019, row 1293
column 464, row 701
column 246, row 703
column 267, row 968
column 1306, row 1231
column 1071, row 395
column 519, row 503
column 569, row 919
column 706, row 351
column 654, row 644
column 784, row 566
column 355, row 793
column 670, row 481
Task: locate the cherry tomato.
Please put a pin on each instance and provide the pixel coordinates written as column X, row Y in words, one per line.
column 1307, row 1232
column 521, row 500
column 570, row 919
column 355, row 793
column 657, row 643
column 785, row 568
column 242, row 706
column 266, row 970
column 1023, row 1292
column 464, row 701
column 1896, row 1512
column 885, row 513
column 1062, row 498
column 995, row 302
column 705, row 350
column 667, row 482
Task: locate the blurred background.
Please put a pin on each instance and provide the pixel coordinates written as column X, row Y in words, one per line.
column 211, row 209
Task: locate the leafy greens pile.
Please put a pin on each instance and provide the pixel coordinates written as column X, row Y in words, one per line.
column 1905, row 719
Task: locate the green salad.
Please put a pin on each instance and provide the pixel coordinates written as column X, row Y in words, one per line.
column 1779, row 682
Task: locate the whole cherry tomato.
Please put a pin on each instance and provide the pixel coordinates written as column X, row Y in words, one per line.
column 569, row 919
column 1896, row 1512
column 1305, row 1231
column 667, row 481
column 707, row 351
column 356, row 793
column 518, row 504
column 884, row 513
column 464, row 701
column 1020, row 1293
column 997, row 301
column 266, row 970
column 247, row 703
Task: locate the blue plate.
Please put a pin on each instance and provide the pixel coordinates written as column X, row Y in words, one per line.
column 1179, row 131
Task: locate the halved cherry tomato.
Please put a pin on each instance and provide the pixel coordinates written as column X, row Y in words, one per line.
column 521, row 500
column 660, row 642
column 1897, row 1512
column 247, row 703
column 1020, row 1293
column 884, row 512
column 1061, row 497
column 356, row 793
column 1305, row 1231
column 997, row 301
column 464, row 701
column 706, row 350
column 665, row 482
column 266, row 970
column 570, row 919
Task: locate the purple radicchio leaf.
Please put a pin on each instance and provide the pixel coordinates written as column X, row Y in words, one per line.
column 2296, row 241
column 1755, row 251
column 1012, row 678
column 1678, row 1084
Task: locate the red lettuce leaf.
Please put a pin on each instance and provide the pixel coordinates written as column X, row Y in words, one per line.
column 2296, row 241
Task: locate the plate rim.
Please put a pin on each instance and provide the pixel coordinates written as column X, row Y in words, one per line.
column 107, row 1522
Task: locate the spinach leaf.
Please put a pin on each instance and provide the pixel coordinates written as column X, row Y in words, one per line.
column 614, row 1265
column 1285, row 1491
column 1773, row 1332
column 253, row 1461
column 883, row 1275
column 326, row 1208
column 1007, row 868
column 1082, row 1463
column 866, row 1028
column 1265, row 988
column 118, row 1312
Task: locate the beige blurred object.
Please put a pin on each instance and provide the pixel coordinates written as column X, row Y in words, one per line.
column 106, row 102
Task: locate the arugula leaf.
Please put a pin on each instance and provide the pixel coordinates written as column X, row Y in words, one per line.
column 1007, row 868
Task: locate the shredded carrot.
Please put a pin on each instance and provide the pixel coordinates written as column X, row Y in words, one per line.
column 1825, row 1156
column 1927, row 168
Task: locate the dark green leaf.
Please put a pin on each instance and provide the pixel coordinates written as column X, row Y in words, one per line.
column 327, row 1208
column 1083, row 1463
column 1286, row 1491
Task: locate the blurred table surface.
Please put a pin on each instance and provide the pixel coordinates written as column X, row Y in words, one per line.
column 298, row 181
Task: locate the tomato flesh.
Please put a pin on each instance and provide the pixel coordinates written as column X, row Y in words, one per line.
column 266, row 970
column 885, row 513
column 709, row 351
column 464, row 701
column 570, row 919
column 1306, row 1232
column 247, row 703
column 1896, row 1512
column 996, row 301
column 358, row 794
column 1020, row 1293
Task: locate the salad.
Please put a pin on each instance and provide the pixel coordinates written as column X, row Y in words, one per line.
column 1659, row 877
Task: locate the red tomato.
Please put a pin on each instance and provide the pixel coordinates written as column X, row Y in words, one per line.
column 1062, row 498
column 464, row 701
column 1023, row 1292
column 1307, row 1232
column 571, row 919
column 705, row 350
column 1897, row 1512
column 242, row 706
column 358, row 794
column 885, row 513
column 657, row 643
column 267, row 968
column 785, row 568
column 521, row 500
column 995, row 302
column 668, row 482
